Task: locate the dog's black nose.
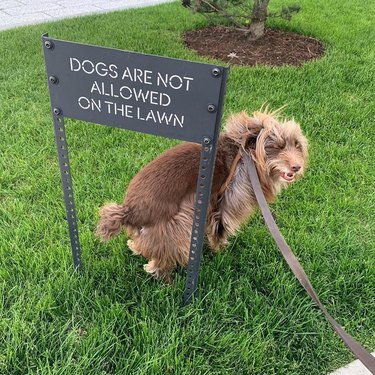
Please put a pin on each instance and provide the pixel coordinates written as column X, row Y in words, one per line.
column 296, row 168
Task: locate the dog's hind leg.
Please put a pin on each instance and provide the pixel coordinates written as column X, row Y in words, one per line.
column 166, row 245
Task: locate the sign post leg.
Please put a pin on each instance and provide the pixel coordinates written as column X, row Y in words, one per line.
column 67, row 185
column 206, row 168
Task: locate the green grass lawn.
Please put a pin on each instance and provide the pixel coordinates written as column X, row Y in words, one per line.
column 252, row 316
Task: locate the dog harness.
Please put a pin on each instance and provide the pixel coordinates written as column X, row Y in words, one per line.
column 231, row 173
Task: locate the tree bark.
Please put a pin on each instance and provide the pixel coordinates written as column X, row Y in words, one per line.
column 258, row 19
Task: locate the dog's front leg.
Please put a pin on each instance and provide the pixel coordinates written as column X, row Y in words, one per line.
column 217, row 235
column 154, row 268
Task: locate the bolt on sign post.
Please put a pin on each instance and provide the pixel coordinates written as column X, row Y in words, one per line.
column 145, row 93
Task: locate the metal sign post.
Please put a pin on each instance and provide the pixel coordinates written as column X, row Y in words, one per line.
column 145, row 93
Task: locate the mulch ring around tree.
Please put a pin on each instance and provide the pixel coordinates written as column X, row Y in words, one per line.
column 275, row 48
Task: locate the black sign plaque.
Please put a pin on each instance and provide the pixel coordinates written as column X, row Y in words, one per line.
column 151, row 94
column 145, row 93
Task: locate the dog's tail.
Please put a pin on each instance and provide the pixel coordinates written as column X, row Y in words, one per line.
column 112, row 217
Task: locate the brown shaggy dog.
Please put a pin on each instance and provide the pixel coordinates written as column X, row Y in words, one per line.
column 158, row 209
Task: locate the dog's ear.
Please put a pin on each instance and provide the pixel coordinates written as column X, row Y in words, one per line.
column 250, row 139
column 262, row 123
column 243, row 129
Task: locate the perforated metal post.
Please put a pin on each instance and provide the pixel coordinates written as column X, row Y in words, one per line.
column 202, row 197
column 67, row 185
column 203, row 191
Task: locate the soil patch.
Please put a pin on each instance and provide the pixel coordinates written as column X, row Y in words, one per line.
column 276, row 48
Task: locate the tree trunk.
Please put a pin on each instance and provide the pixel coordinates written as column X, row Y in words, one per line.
column 258, row 19
column 256, row 30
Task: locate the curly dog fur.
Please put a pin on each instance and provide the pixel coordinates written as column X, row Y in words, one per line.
column 158, row 209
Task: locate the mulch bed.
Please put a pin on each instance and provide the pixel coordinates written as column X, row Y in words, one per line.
column 276, row 48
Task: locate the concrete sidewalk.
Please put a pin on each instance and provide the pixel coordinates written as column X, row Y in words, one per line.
column 15, row 13
column 354, row 368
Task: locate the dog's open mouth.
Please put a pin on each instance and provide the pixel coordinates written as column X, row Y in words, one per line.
column 287, row 176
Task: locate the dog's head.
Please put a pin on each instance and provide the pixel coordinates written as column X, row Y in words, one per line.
column 279, row 149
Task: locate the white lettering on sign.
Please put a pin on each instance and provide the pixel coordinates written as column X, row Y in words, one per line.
column 92, row 104
column 174, row 81
column 125, row 91
column 89, row 67
column 154, row 116
column 137, row 75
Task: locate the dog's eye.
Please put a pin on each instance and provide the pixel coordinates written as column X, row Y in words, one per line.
column 277, row 147
column 298, row 145
column 282, row 145
column 274, row 148
column 274, row 144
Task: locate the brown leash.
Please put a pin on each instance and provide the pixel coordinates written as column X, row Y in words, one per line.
column 362, row 354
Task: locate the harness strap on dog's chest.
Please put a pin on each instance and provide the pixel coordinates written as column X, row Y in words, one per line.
column 231, row 173
column 362, row 354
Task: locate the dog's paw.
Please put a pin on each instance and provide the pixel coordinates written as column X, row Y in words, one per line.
column 131, row 246
column 150, row 267
column 158, row 273
column 217, row 244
